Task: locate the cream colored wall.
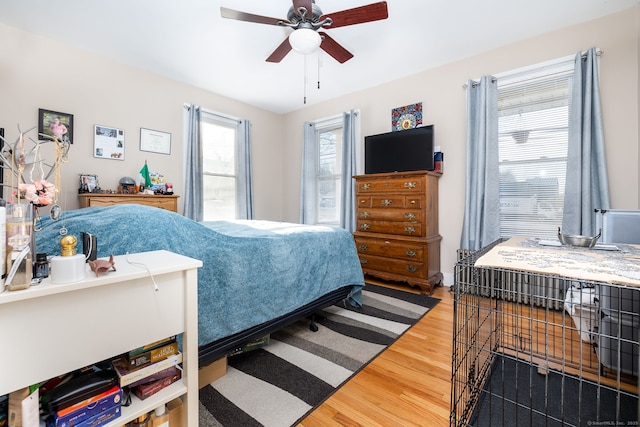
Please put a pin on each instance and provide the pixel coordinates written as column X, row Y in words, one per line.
column 441, row 92
column 99, row 91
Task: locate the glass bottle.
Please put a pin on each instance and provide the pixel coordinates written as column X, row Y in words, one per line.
column 19, row 266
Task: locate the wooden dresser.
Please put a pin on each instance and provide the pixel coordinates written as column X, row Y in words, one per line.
column 169, row 203
column 397, row 227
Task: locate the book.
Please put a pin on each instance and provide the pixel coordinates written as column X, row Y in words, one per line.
column 128, row 376
column 102, row 418
column 151, row 346
column 73, row 416
column 157, row 376
column 151, row 356
column 145, row 390
column 90, row 401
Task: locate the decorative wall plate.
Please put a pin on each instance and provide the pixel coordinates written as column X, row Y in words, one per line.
column 407, row 117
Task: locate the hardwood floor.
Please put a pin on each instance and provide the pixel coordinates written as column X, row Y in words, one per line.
column 407, row 385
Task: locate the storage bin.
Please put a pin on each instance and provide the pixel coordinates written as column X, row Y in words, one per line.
column 618, row 337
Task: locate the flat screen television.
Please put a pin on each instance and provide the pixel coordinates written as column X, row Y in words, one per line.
column 399, row 151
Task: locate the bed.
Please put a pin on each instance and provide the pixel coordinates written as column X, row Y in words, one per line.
column 257, row 276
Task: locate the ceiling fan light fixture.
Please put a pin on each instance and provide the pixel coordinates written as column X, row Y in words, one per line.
column 305, row 40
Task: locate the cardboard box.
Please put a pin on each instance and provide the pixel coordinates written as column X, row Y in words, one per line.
column 210, row 373
column 175, row 409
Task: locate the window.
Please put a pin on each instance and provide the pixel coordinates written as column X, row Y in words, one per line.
column 533, row 110
column 219, row 167
column 329, row 171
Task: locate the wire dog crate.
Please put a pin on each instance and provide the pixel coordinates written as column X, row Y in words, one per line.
column 534, row 349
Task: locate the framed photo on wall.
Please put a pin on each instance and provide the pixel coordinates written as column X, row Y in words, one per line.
column 155, row 141
column 108, row 143
column 55, row 124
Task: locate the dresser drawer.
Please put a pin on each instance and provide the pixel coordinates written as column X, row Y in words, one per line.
column 396, row 266
column 391, row 185
column 169, row 203
column 391, row 227
column 387, row 201
column 391, row 249
column 363, row 202
column 390, row 202
column 394, row 202
column 404, row 215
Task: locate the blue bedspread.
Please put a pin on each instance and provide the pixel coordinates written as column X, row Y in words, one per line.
column 253, row 271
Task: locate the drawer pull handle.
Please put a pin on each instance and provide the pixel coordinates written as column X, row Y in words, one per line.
column 409, row 229
column 363, row 261
column 410, row 215
column 386, row 202
column 365, row 226
column 411, row 253
column 366, row 186
column 363, row 201
column 412, row 268
column 413, row 202
column 365, row 214
column 363, row 247
column 410, row 185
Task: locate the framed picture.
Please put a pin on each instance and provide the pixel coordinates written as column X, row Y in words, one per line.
column 88, row 183
column 407, row 117
column 54, row 124
column 108, row 143
column 155, row 141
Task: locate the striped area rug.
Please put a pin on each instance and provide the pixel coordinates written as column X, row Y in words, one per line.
column 277, row 385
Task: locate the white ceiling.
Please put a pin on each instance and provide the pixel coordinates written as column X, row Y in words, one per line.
column 188, row 41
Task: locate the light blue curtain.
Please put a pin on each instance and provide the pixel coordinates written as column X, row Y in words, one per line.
column 193, row 178
column 482, row 190
column 308, row 181
column 244, row 191
column 587, row 187
column 350, row 136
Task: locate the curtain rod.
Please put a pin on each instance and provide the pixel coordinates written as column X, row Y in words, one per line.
column 554, row 61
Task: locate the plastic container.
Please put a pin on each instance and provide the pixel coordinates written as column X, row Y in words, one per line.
column 582, row 306
column 438, row 160
column 160, row 417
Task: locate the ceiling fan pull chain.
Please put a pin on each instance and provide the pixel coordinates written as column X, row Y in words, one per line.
column 318, row 70
column 304, row 80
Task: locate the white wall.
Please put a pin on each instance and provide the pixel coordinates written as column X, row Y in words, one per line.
column 99, row 91
column 441, row 92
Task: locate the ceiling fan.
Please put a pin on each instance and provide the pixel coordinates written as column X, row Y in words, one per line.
column 306, row 18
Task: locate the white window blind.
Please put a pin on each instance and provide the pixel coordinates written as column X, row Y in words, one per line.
column 533, row 109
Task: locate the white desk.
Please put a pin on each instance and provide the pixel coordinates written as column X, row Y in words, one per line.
column 48, row 330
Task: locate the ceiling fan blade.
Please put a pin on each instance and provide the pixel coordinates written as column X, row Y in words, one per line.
column 334, row 48
column 358, row 15
column 249, row 17
column 280, row 52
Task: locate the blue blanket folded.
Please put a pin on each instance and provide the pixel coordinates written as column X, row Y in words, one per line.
column 253, row 271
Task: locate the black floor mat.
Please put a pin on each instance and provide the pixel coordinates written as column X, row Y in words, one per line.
column 517, row 395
